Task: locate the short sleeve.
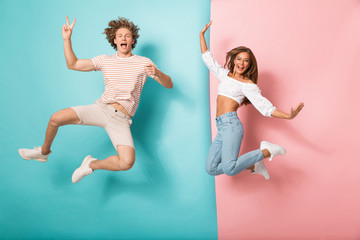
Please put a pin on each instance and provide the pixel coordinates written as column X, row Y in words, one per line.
column 98, row 61
column 213, row 65
column 264, row 106
column 149, row 62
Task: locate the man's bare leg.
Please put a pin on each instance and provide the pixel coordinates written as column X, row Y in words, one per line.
column 63, row 117
column 124, row 161
column 60, row 118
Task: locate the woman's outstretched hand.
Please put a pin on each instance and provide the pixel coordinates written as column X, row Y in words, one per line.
column 294, row 112
column 67, row 29
column 205, row 28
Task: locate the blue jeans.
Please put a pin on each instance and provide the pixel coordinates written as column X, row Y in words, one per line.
column 224, row 151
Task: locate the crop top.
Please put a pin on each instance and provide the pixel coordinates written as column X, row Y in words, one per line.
column 237, row 90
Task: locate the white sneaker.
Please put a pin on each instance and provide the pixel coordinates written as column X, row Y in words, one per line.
column 261, row 169
column 35, row 153
column 83, row 170
column 273, row 149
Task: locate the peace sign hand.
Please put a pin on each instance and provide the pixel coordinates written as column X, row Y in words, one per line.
column 67, row 29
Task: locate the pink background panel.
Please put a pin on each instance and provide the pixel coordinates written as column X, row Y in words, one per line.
column 307, row 51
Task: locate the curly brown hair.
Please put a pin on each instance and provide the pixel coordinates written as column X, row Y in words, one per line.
column 121, row 22
column 251, row 73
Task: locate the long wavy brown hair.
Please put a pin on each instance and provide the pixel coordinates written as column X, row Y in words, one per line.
column 251, row 73
column 121, row 22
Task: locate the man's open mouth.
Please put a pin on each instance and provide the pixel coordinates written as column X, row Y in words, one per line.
column 123, row 45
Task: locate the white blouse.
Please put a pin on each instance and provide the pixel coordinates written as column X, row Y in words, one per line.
column 237, row 90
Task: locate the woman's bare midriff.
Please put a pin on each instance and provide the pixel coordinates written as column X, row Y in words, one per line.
column 119, row 107
column 225, row 105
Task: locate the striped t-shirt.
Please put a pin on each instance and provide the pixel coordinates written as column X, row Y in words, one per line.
column 124, row 79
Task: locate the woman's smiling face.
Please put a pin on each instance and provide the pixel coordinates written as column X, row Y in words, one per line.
column 242, row 63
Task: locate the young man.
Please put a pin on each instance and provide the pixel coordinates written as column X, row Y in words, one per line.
column 124, row 77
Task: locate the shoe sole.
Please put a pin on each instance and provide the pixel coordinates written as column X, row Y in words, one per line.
column 37, row 159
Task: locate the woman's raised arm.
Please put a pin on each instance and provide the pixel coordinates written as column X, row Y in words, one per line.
column 203, row 45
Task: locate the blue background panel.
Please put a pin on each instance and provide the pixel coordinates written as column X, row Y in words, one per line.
column 167, row 194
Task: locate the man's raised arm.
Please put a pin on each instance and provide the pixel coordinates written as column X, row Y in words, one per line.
column 71, row 61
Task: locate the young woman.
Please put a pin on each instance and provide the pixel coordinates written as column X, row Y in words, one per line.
column 238, row 87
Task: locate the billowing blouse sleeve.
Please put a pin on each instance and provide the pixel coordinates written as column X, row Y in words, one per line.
column 213, row 66
column 253, row 93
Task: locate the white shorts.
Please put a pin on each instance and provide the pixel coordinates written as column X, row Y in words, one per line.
column 116, row 123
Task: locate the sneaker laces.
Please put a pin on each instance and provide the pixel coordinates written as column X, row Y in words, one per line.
column 88, row 171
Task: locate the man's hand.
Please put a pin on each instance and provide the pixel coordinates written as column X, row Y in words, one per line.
column 67, row 29
column 159, row 76
column 151, row 70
